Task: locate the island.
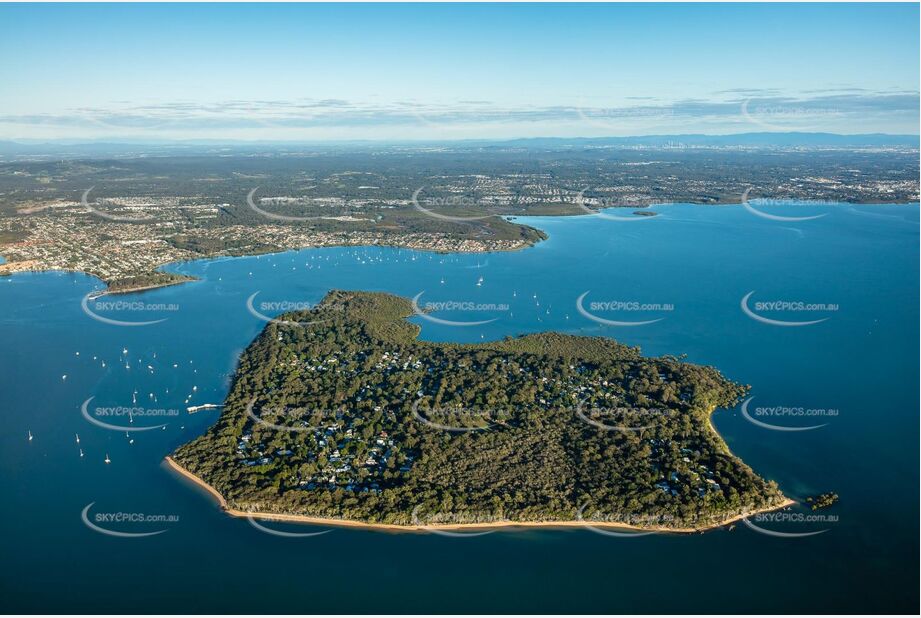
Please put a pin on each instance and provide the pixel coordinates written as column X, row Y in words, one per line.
column 822, row 501
column 340, row 415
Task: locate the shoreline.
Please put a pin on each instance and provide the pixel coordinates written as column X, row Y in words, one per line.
column 349, row 523
column 108, row 291
column 511, row 218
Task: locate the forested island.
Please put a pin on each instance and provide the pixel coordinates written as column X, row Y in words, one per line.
column 340, row 413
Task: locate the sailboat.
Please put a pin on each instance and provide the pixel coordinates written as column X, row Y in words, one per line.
column 107, row 459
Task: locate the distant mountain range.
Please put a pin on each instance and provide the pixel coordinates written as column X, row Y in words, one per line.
column 69, row 149
column 737, row 139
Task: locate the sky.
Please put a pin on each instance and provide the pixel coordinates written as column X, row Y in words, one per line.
column 305, row 72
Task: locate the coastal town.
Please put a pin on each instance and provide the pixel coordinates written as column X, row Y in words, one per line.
column 78, row 215
column 66, row 237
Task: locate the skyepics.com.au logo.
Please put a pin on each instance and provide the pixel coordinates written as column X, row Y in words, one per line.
column 120, row 218
column 459, row 305
column 606, row 523
column 785, row 307
column 292, row 418
column 250, row 201
column 747, row 204
column 287, row 306
column 126, row 524
column 95, row 304
column 602, row 311
column 786, row 116
column 789, row 524
column 622, row 118
column 457, row 418
column 600, row 206
column 430, row 206
column 122, row 418
column 621, row 418
column 254, row 521
column 441, row 522
column 778, row 418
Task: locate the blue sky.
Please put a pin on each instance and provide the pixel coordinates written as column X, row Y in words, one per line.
column 354, row 71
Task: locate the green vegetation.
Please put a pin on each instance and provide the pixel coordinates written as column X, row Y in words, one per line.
column 822, row 501
column 347, row 415
column 141, row 282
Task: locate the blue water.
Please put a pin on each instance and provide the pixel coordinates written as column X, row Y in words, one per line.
column 861, row 361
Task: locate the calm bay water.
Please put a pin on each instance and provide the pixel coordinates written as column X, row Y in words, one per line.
column 860, row 363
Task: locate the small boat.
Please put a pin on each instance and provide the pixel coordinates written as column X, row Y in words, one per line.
column 64, row 377
column 479, row 281
column 78, row 438
column 30, row 435
column 108, row 461
column 81, row 452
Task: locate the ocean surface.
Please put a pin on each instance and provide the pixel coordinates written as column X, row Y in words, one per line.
column 853, row 377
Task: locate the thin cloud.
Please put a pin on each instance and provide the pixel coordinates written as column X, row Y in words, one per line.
column 758, row 106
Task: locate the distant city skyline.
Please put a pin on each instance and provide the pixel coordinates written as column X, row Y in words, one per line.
column 430, row 72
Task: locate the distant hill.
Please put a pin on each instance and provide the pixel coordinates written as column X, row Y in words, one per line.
column 122, row 148
column 781, row 140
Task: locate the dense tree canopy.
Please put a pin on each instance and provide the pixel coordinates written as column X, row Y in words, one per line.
column 341, row 412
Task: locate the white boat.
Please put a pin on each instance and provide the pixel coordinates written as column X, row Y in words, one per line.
column 78, row 438
column 81, row 452
column 30, row 435
column 107, row 459
column 204, row 406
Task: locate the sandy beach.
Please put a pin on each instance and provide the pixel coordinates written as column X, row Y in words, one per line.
column 346, row 523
